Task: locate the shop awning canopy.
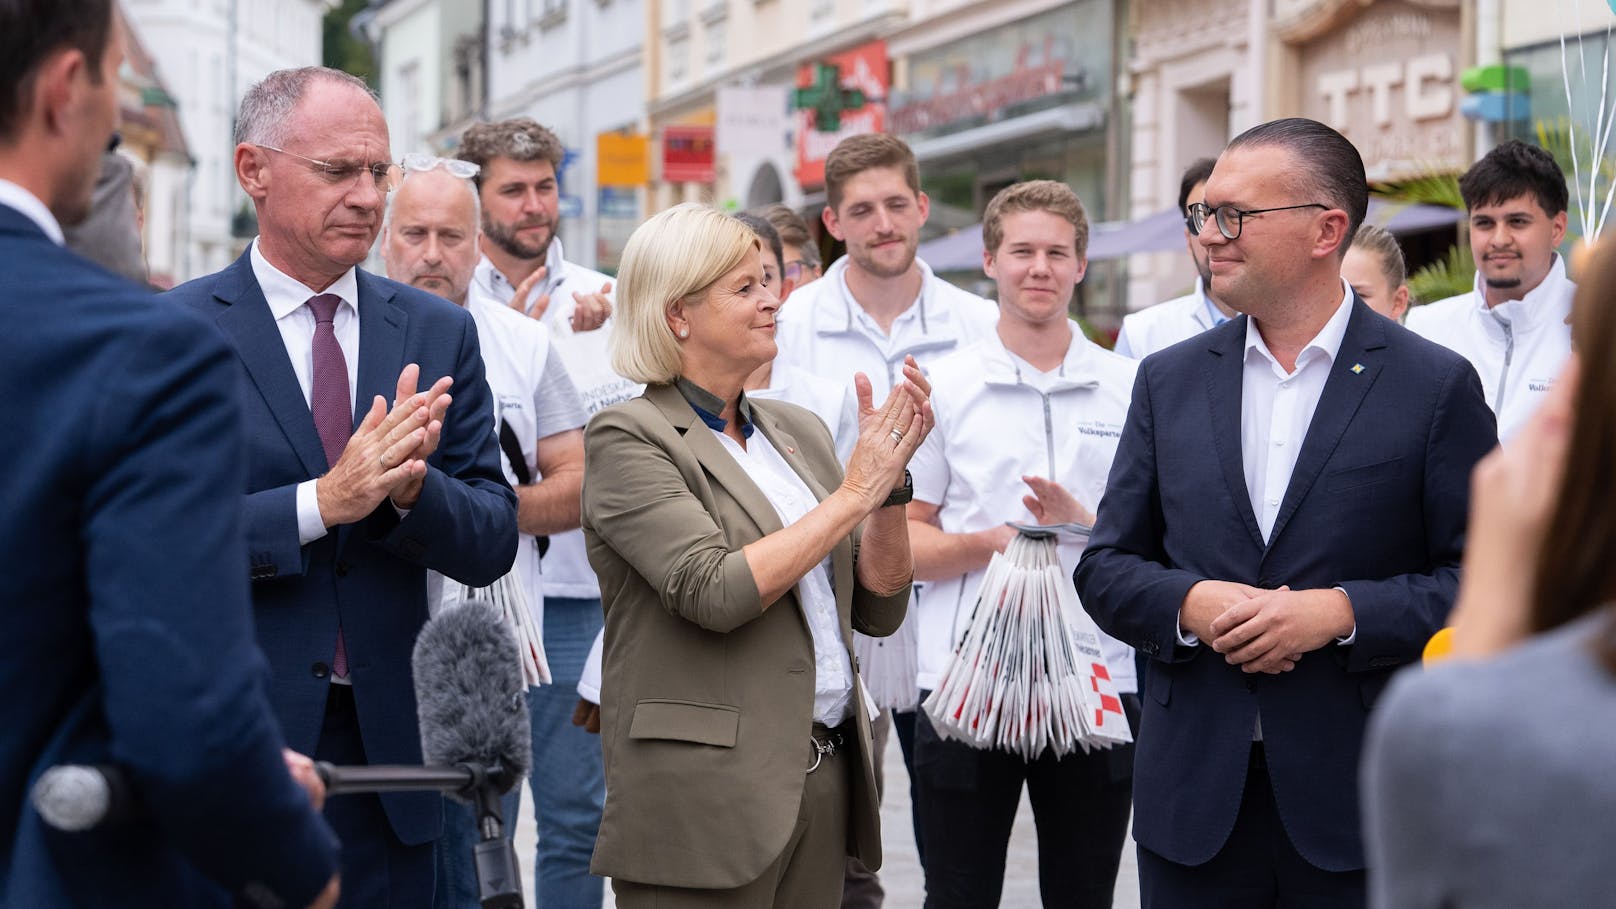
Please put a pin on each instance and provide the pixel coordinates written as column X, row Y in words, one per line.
column 1164, row 232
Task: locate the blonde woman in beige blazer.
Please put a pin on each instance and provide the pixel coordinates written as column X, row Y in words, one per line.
column 735, row 560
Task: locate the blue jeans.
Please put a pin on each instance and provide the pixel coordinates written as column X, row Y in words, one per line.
column 568, row 780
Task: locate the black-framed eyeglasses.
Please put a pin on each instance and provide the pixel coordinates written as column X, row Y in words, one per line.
column 385, row 174
column 1231, row 220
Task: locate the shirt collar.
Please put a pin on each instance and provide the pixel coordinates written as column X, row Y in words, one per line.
column 1075, row 371
column 921, row 308
column 1537, row 305
column 14, row 196
column 1327, row 343
column 708, row 406
column 285, row 293
column 1214, row 315
column 493, row 280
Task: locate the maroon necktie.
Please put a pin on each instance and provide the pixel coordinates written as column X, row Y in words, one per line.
column 332, row 408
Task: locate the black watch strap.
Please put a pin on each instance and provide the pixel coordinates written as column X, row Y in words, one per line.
column 902, row 495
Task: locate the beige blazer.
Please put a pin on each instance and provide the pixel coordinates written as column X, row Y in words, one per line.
column 707, row 699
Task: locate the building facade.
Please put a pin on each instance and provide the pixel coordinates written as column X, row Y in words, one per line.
column 211, row 52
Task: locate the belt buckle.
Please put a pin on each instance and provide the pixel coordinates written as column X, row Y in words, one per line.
column 829, row 745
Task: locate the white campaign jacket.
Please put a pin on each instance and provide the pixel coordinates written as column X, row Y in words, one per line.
column 993, row 427
column 823, row 331
column 1165, row 324
column 1517, row 347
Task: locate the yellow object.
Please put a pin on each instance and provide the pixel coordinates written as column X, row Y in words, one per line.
column 1440, row 646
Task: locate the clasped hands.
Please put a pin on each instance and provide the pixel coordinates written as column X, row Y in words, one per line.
column 386, row 456
column 1265, row 630
column 888, row 435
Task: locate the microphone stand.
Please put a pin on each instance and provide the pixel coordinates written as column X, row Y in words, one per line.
column 499, row 879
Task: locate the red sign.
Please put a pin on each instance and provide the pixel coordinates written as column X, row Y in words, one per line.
column 864, row 68
column 688, row 154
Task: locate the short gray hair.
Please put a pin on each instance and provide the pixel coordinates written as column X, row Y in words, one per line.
column 268, row 105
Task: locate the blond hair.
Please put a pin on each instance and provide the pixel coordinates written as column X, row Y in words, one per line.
column 675, row 256
column 1380, row 242
column 1035, row 195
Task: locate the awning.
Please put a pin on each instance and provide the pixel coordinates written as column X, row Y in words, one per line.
column 1164, row 232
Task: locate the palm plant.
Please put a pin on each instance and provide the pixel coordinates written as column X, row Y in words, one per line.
column 1455, row 272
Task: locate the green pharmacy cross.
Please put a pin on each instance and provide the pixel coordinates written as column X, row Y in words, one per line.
column 826, row 98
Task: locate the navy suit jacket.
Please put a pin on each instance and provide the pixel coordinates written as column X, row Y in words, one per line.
column 127, row 632
column 1376, row 505
column 371, row 574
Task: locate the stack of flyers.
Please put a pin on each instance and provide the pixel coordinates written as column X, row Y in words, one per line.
column 1028, row 673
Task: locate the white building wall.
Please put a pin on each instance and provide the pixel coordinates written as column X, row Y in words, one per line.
column 575, row 67
column 191, row 42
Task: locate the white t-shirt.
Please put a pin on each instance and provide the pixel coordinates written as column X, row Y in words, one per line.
column 535, row 398
column 834, row 403
column 588, row 362
column 998, row 419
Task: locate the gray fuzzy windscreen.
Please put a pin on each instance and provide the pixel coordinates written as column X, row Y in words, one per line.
column 469, row 692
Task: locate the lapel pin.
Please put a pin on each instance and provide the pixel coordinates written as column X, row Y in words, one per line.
column 1357, row 369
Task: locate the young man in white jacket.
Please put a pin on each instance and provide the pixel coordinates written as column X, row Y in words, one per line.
column 1165, row 324
column 874, row 306
column 1028, row 422
column 1512, row 326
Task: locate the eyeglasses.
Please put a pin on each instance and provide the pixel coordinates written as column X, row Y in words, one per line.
column 795, row 269
column 386, row 174
column 417, row 162
column 1231, row 220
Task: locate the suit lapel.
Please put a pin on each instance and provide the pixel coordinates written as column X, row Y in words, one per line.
column 717, row 462
column 247, row 322
column 1344, row 392
column 382, row 326
column 1225, row 368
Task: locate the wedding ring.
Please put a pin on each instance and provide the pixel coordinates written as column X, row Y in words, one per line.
column 897, row 437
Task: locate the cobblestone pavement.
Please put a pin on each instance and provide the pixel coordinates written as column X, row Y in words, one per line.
column 901, row 874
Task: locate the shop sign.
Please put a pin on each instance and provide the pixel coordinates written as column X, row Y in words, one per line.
column 622, row 159
column 1044, row 60
column 862, row 71
column 1388, row 79
column 688, row 155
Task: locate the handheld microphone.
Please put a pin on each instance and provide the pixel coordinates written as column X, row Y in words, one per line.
column 475, row 738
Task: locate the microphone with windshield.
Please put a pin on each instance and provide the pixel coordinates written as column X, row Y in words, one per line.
column 475, row 741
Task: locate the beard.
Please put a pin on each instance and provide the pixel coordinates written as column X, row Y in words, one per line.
column 508, row 239
column 1503, row 283
column 869, row 264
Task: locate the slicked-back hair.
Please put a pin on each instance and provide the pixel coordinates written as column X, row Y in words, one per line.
column 1197, row 172
column 857, row 154
column 1380, row 242
column 769, row 236
column 674, row 256
column 1512, row 170
column 793, row 230
column 1328, row 167
column 30, row 32
column 1035, row 195
column 519, row 139
column 266, row 109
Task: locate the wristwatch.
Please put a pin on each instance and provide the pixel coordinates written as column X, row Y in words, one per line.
column 902, row 495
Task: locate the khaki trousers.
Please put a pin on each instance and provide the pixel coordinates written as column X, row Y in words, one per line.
column 807, row 875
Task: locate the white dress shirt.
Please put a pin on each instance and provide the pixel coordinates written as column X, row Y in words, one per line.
column 1276, row 408
column 288, row 299
column 791, row 498
column 14, row 196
